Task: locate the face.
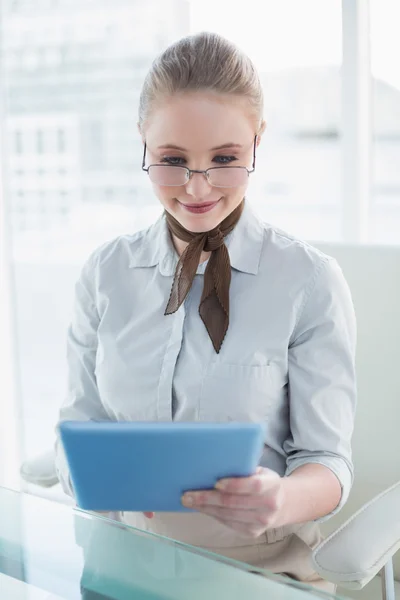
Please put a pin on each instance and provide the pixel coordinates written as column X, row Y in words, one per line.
column 200, row 131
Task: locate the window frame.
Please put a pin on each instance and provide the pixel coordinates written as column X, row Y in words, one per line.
column 356, row 122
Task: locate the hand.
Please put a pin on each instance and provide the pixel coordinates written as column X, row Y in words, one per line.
column 250, row 505
column 148, row 515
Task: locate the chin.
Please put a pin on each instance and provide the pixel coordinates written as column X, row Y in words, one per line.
column 199, row 225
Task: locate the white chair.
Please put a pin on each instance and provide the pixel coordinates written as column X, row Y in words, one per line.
column 364, row 545
column 365, row 535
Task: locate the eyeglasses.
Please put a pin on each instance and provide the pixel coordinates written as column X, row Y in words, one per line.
column 175, row 175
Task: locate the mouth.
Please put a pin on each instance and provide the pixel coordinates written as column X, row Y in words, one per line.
column 200, row 208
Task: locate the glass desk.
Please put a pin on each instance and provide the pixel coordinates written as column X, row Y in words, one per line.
column 49, row 551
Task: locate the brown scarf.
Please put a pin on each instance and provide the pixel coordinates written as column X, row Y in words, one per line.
column 214, row 303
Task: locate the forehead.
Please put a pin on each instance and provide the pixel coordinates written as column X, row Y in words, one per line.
column 200, row 120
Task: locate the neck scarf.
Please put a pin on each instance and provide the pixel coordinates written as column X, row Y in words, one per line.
column 214, row 303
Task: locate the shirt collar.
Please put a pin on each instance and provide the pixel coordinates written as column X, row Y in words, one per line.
column 244, row 244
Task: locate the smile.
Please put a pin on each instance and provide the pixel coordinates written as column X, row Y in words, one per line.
column 203, row 207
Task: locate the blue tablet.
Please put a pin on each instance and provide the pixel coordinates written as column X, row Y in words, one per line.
column 148, row 466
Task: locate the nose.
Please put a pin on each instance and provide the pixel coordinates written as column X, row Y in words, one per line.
column 198, row 186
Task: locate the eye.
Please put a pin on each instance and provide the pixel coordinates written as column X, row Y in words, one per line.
column 173, row 160
column 224, row 160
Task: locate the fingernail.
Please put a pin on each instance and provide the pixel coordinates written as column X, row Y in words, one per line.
column 187, row 500
column 221, row 484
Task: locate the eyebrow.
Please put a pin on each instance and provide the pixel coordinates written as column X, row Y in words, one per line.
column 222, row 147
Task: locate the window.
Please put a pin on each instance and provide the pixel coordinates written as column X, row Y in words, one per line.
column 39, row 142
column 61, row 141
column 18, row 142
column 92, row 139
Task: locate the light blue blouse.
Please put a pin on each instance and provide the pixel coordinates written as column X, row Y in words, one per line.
column 288, row 358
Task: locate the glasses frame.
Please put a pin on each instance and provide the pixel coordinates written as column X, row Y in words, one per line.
column 205, row 173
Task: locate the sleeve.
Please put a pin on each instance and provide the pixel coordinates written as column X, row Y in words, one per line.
column 82, row 401
column 322, row 379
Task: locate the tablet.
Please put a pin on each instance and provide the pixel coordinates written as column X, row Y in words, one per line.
column 134, row 466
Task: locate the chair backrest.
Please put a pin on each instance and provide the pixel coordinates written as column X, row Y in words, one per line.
column 373, row 274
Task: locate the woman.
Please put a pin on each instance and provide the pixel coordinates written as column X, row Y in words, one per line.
column 249, row 324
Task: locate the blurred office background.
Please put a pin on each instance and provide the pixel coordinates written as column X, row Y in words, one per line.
column 328, row 169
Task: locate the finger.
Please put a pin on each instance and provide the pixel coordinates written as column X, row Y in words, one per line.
column 216, row 498
column 256, row 518
column 259, row 484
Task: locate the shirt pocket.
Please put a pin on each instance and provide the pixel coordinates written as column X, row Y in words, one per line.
column 234, row 392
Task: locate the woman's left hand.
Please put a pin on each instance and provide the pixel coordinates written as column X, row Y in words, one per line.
column 249, row 505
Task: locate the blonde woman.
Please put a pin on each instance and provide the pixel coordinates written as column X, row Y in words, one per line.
column 212, row 315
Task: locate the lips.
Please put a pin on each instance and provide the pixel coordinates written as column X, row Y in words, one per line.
column 200, row 207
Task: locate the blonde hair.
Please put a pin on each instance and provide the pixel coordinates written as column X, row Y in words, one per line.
column 202, row 62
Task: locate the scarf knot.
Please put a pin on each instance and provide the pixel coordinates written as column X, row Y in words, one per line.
column 215, row 239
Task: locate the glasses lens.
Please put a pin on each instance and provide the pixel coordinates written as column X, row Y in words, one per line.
column 167, row 175
column 228, row 176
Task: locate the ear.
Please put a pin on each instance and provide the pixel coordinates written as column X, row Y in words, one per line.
column 140, row 132
column 261, row 130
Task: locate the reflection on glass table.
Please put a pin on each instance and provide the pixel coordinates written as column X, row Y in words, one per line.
column 49, row 551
